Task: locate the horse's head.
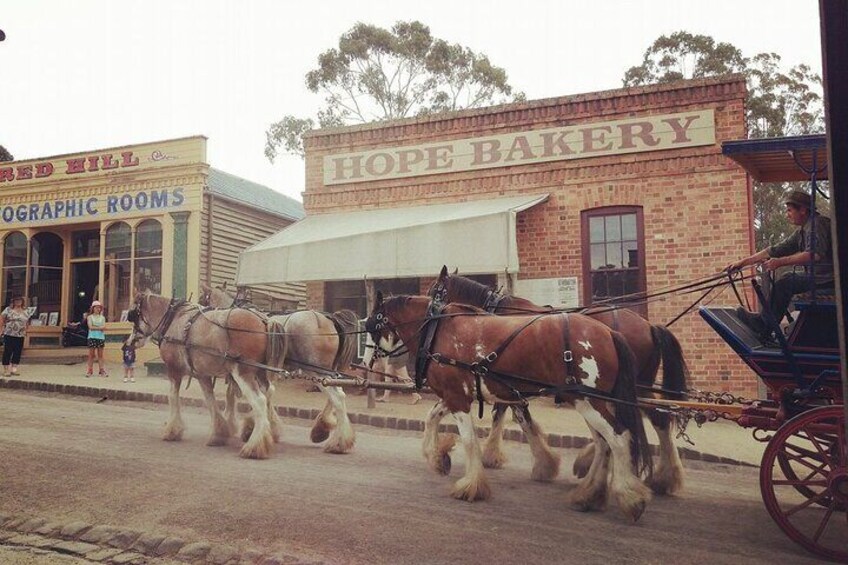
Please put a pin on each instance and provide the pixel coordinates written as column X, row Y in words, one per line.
column 205, row 295
column 451, row 287
column 439, row 290
column 138, row 336
column 215, row 297
column 397, row 320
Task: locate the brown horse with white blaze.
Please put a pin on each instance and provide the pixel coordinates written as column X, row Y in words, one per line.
column 471, row 355
column 650, row 344
column 207, row 345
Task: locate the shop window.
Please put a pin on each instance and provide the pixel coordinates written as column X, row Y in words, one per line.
column 45, row 282
column 613, row 254
column 117, row 271
column 14, row 266
column 86, row 244
column 350, row 295
column 148, row 256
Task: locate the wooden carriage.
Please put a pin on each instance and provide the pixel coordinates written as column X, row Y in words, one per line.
column 804, row 470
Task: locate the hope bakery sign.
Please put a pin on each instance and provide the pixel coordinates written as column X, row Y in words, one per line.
column 576, row 141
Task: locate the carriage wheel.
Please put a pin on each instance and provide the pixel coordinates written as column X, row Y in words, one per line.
column 804, row 481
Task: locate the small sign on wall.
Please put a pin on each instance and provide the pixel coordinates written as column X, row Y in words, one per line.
column 559, row 293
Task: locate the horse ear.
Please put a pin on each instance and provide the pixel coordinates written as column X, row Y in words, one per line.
column 443, row 273
column 224, row 286
column 455, row 271
column 379, row 300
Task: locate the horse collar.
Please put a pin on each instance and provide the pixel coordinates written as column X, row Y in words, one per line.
column 425, row 342
column 165, row 323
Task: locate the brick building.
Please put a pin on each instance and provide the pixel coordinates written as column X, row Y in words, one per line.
column 565, row 201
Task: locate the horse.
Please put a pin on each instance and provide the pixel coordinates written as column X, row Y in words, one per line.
column 317, row 344
column 650, row 343
column 388, row 363
column 207, row 345
column 465, row 353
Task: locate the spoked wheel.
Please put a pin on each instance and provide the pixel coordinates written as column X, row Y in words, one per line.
column 804, row 481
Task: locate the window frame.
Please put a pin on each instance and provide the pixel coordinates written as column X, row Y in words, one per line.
column 586, row 250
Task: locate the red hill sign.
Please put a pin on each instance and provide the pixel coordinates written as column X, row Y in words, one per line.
column 576, row 141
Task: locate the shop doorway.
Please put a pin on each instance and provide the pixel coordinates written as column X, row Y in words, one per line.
column 84, row 277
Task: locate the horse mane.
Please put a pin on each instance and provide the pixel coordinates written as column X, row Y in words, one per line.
column 394, row 303
column 467, row 291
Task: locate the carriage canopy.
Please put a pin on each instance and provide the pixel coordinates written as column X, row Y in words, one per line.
column 780, row 159
column 391, row 243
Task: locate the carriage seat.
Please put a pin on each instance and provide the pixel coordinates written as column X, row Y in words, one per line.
column 814, row 328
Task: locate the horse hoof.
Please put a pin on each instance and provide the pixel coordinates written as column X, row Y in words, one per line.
column 445, row 464
column 319, row 435
column 216, row 441
column 637, row 510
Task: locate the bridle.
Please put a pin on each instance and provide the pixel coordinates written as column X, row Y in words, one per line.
column 136, row 316
column 379, row 322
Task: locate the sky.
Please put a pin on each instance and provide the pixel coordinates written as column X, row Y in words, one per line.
column 93, row 74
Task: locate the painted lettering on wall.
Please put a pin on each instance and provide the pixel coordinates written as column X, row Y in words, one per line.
column 577, row 141
column 91, row 208
column 73, row 166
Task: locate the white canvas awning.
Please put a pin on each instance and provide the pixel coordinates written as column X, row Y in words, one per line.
column 476, row 236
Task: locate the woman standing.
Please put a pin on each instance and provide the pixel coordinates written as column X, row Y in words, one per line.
column 13, row 321
column 96, row 337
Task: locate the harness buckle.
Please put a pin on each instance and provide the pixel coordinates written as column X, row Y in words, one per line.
column 491, row 357
column 479, row 369
column 568, row 356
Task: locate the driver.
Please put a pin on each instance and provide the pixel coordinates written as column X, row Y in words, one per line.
column 795, row 250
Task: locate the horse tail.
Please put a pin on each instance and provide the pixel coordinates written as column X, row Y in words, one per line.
column 627, row 414
column 675, row 370
column 347, row 323
column 278, row 343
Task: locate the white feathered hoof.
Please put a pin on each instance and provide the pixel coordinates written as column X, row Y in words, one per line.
column 470, row 490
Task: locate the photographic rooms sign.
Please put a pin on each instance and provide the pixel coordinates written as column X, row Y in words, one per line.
column 576, row 141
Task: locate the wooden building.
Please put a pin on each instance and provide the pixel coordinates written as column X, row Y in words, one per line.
column 104, row 223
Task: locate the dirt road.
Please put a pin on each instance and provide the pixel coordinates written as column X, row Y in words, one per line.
column 73, row 459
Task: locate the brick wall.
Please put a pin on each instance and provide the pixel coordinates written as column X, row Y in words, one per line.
column 695, row 202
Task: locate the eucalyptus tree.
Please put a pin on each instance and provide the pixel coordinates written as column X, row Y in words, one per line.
column 781, row 102
column 378, row 74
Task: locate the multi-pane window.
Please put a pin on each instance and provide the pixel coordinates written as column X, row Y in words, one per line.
column 125, row 256
column 14, row 266
column 148, row 256
column 86, row 244
column 117, row 270
column 613, row 244
column 45, row 282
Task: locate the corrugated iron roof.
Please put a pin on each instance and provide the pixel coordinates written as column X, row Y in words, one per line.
column 253, row 194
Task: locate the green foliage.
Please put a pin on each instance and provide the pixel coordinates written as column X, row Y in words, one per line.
column 780, row 103
column 682, row 55
column 5, row 155
column 378, row 74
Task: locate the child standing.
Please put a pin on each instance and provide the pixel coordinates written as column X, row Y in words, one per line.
column 96, row 337
column 128, row 351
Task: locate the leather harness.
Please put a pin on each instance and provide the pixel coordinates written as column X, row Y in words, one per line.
column 483, row 367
